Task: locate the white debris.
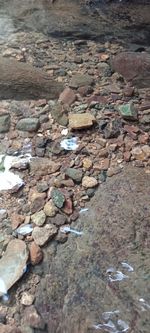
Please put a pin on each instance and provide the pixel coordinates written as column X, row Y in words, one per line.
column 122, row 325
column 127, row 266
column 119, row 327
column 3, row 290
column 107, row 315
column 25, row 229
column 68, row 229
column 64, row 131
column 69, row 144
column 83, row 210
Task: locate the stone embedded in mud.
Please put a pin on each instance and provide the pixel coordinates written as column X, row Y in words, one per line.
column 13, row 263
column 36, row 254
column 75, row 174
column 42, row 235
column 38, row 218
column 32, row 318
column 50, row 209
column 28, row 124
column 134, row 67
column 80, row 121
column 67, row 96
column 58, row 198
column 43, row 166
column 4, row 122
column 89, row 182
column 128, row 111
column 80, row 80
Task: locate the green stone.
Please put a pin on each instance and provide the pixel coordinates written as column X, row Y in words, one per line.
column 58, row 198
column 74, row 174
column 28, row 124
column 128, row 111
column 4, row 123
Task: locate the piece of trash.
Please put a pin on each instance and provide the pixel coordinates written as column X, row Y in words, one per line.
column 127, row 266
column 8, row 180
column 25, row 229
column 83, row 210
column 145, row 306
column 68, row 229
column 110, row 270
column 107, row 315
column 64, row 131
column 117, row 276
column 3, row 291
column 119, row 327
column 69, row 144
column 122, row 325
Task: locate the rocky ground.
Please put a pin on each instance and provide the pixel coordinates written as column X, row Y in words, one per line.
column 62, row 151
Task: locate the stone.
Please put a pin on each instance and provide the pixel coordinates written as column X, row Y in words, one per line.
column 13, row 263
column 87, row 163
column 128, row 91
column 104, row 164
column 75, row 174
column 16, row 220
column 42, row 235
column 50, row 209
column 89, row 182
column 59, row 114
column 58, row 198
column 59, row 220
column 112, row 129
column 37, row 201
column 43, row 166
column 80, row 121
column 38, row 218
column 4, row 122
column 27, row 299
column 128, row 111
column 42, row 186
column 67, row 96
column 32, row 318
column 80, row 80
column 9, row 329
column 138, row 153
column 145, row 119
column 134, row 67
column 68, row 206
column 36, row 254
column 28, row 124
column 104, row 69
column 3, row 214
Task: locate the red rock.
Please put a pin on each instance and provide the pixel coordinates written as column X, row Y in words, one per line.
column 16, row 220
column 68, row 207
column 36, row 254
column 67, row 96
column 128, row 91
column 84, row 91
column 97, row 98
column 127, row 156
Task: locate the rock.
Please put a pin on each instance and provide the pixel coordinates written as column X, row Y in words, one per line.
column 42, row 235
column 128, row 111
column 87, row 163
column 27, row 299
column 42, row 186
column 9, row 329
column 104, row 69
column 38, row 218
column 104, row 164
column 37, row 201
column 3, row 214
column 80, row 80
column 145, row 119
column 75, row 174
column 134, row 67
column 59, row 220
column 13, row 263
column 89, row 182
column 16, row 220
column 113, row 171
column 50, row 209
column 112, row 129
column 36, row 254
column 4, row 122
column 43, row 166
column 68, row 206
column 58, row 198
column 59, row 114
column 128, row 91
column 80, row 121
column 32, row 318
column 28, row 124
column 141, row 153
column 67, row 96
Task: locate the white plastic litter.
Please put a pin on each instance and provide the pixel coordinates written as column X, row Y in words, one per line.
column 127, row 266
column 3, row 290
column 144, row 305
column 69, row 144
column 64, row 131
column 25, row 229
column 109, row 314
column 122, row 325
column 83, row 210
column 117, row 276
column 119, row 327
column 68, row 229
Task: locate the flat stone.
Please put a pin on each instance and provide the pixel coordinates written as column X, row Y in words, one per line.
column 89, row 182
column 43, row 166
column 128, row 111
column 13, row 263
column 67, row 96
column 27, row 299
column 38, row 218
column 4, row 122
column 28, row 124
column 79, row 121
column 50, row 209
column 42, row 235
column 75, row 174
column 36, row 254
column 79, row 80
column 58, row 198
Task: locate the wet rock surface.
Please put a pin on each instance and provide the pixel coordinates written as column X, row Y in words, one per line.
column 78, row 288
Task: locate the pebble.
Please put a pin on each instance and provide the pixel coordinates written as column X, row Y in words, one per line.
column 67, row 96
column 87, row 163
column 36, row 254
column 27, row 299
column 37, row 201
column 128, row 111
column 75, row 174
column 79, row 80
column 28, row 124
column 42, row 235
column 38, row 218
column 89, row 182
column 80, row 121
column 58, row 198
column 50, row 209
column 4, row 122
